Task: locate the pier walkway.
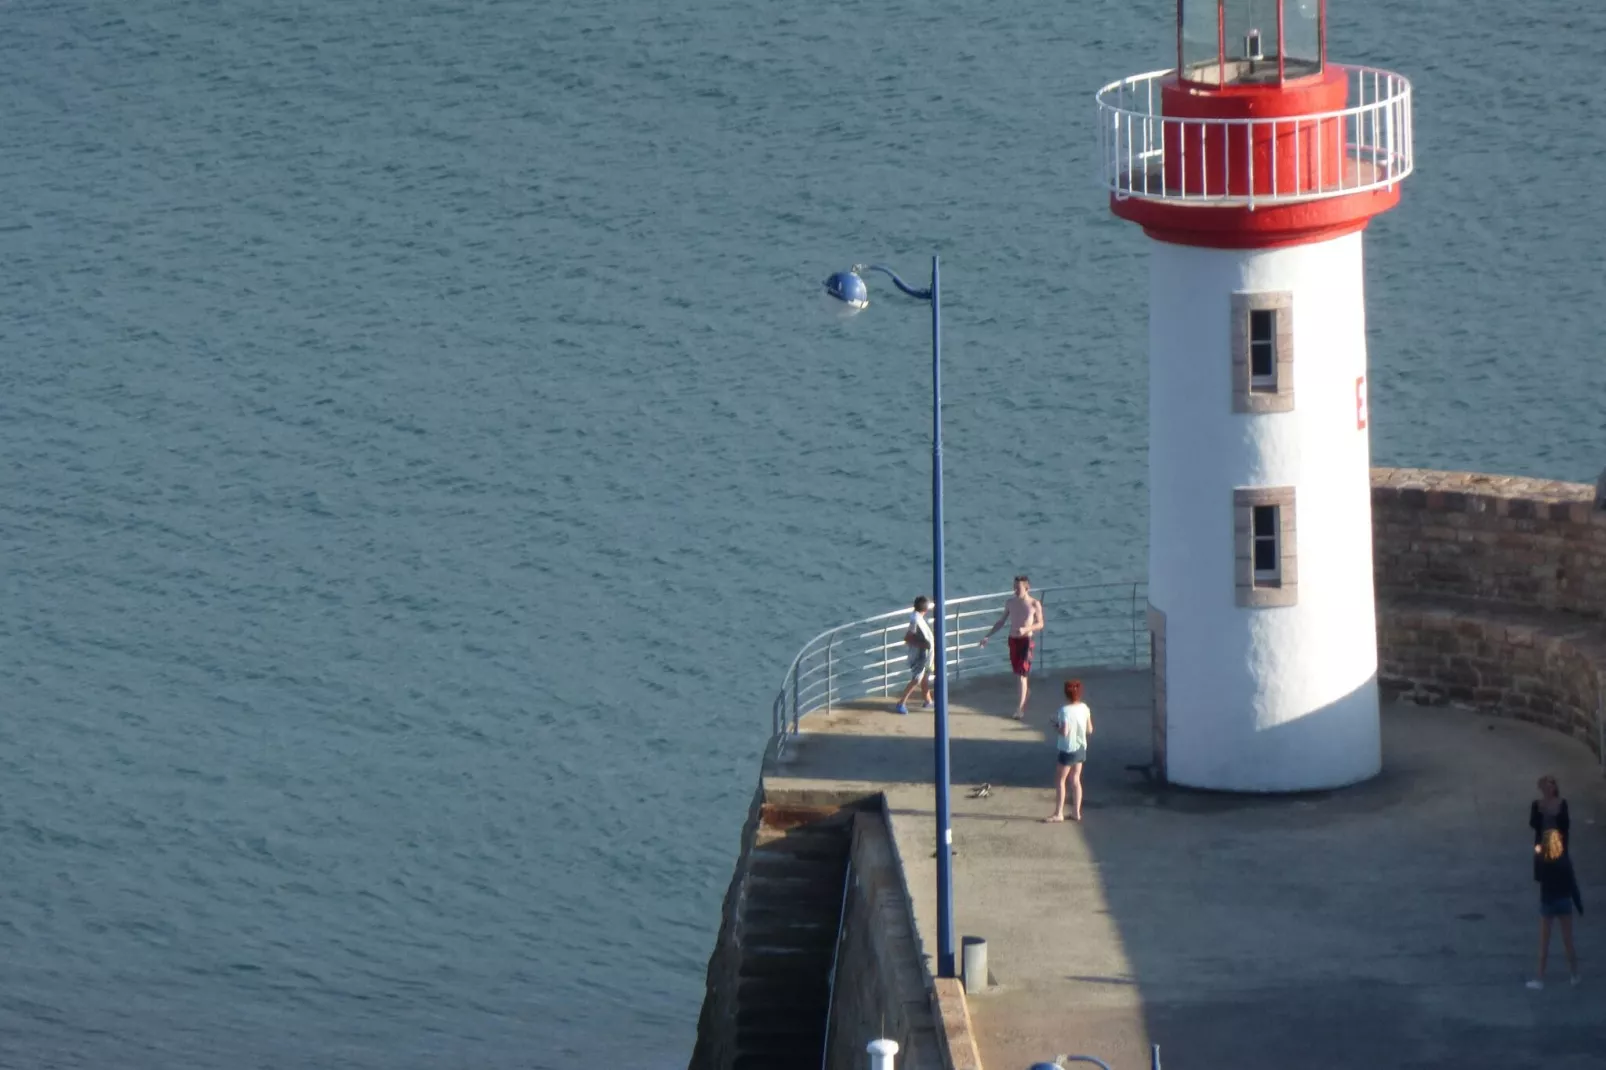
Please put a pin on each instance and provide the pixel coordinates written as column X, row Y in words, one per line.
column 1388, row 925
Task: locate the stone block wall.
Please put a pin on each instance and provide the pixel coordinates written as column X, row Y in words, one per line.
column 1521, row 542
column 1527, row 669
column 716, row 1025
column 1492, row 594
column 881, row 983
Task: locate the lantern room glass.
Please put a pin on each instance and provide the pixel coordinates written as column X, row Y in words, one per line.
column 1304, row 27
column 1250, row 42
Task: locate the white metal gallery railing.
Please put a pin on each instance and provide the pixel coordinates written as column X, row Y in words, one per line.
column 1373, row 139
column 1084, row 624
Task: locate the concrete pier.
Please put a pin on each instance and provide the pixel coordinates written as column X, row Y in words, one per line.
column 1390, row 924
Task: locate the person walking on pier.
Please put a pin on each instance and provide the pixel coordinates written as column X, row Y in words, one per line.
column 1558, row 894
column 1072, row 725
column 919, row 641
column 1024, row 615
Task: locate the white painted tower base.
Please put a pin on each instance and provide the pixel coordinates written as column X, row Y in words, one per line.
column 1262, row 699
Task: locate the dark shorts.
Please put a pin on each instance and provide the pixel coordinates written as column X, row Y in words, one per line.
column 919, row 662
column 1555, row 908
column 1020, row 655
column 1072, row 757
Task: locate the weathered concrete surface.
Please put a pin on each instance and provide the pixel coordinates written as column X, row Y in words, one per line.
column 880, row 988
column 1388, row 925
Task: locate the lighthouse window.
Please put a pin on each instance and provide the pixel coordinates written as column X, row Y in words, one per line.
column 1262, row 352
column 1266, row 565
column 1263, row 349
column 1265, row 543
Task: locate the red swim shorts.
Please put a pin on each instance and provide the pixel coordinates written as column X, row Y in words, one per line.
column 1020, row 654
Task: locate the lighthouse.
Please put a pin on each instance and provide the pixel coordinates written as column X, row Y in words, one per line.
column 1254, row 166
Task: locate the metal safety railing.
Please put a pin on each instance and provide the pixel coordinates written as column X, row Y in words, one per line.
column 1084, row 624
column 1367, row 146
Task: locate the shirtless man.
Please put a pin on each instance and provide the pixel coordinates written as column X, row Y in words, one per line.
column 1024, row 615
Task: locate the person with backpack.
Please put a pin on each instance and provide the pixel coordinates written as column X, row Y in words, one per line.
column 1558, row 894
column 1549, row 811
column 918, row 641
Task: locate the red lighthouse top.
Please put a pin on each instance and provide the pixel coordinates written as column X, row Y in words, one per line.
column 1253, row 139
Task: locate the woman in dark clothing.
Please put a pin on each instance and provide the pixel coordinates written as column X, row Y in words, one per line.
column 1549, row 811
column 1558, row 894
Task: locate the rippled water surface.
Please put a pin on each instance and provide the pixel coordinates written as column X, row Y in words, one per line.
column 424, row 449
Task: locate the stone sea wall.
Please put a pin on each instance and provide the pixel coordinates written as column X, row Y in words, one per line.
column 754, row 1018
column 1535, row 543
column 716, row 1026
column 881, row 986
column 1492, row 594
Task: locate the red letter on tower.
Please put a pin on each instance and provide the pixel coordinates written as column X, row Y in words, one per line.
column 1360, row 403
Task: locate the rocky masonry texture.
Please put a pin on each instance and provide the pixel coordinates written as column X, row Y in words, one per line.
column 1157, row 665
column 881, row 989
column 716, row 1026
column 1492, row 594
column 1524, row 542
column 1514, row 665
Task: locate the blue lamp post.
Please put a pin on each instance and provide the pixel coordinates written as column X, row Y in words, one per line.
column 849, row 288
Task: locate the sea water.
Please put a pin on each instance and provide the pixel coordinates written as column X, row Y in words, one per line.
column 424, row 451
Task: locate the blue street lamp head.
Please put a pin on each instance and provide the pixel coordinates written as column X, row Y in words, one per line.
column 848, row 288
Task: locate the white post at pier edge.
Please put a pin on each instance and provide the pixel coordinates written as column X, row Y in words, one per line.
column 882, row 1053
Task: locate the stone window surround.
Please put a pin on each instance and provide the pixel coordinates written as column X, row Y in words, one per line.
column 1278, row 396
column 1250, row 593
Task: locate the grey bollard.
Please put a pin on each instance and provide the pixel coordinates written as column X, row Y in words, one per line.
column 881, row 1053
column 975, row 964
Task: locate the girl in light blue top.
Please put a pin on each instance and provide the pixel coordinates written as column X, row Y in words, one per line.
column 1072, row 725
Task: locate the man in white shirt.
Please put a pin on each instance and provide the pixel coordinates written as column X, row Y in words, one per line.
column 918, row 640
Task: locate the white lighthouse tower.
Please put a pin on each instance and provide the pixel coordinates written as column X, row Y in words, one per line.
column 1255, row 165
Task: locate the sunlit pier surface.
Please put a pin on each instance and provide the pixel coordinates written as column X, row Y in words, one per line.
column 1391, row 924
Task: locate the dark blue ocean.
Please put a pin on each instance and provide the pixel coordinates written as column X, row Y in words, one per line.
column 422, row 448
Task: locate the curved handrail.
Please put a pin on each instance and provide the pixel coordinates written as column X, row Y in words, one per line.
column 1373, row 141
column 866, row 657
